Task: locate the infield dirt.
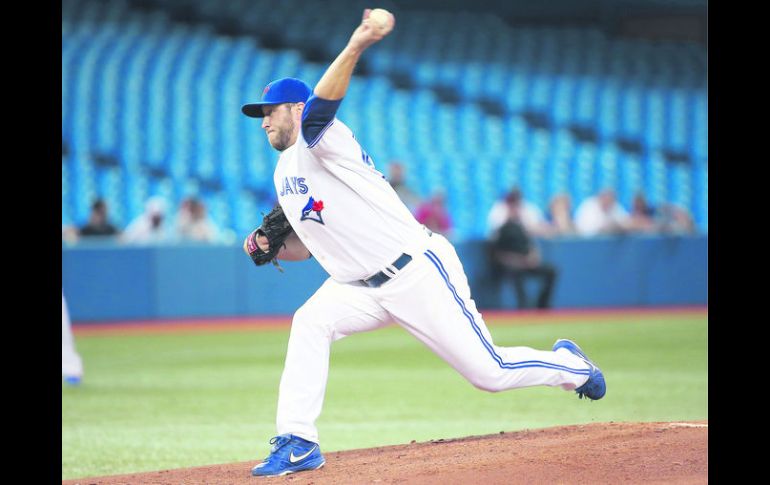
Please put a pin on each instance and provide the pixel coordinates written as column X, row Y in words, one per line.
column 670, row 453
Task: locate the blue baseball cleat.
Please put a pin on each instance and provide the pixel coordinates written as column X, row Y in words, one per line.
column 290, row 454
column 595, row 387
column 73, row 381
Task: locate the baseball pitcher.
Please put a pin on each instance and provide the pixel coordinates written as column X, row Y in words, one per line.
column 383, row 265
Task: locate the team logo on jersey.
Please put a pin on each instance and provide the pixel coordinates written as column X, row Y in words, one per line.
column 312, row 211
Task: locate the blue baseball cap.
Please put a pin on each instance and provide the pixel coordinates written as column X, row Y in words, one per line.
column 285, row 90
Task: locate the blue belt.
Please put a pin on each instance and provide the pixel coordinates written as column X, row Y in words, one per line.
column 377, row 280
column 380, row 278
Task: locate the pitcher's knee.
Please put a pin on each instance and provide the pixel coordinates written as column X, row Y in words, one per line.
column 486, row 381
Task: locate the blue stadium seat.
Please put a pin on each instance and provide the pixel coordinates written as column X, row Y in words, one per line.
column 676, row 120
column 584, row 180
column 655, row 119
column 699, row 127
column 656, row 186
column 700, row 205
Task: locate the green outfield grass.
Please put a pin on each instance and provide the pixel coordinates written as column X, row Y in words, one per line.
column 170, row 401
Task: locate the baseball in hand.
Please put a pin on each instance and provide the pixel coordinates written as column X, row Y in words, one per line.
column 382, row 18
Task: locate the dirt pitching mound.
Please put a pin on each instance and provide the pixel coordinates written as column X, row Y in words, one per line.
column 670, row 453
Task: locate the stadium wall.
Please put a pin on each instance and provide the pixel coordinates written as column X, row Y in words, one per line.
column 105, row 282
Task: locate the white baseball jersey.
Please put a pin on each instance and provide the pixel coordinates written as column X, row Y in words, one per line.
column 343, row 210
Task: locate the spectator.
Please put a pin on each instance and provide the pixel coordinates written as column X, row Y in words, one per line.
column 531, row 215
column 193, row 224
column 601, row 214
column 674, row 219
column 514, row 255
column 398, row 182
column 560, row 215
column 149, row 227
column 98, row 223
column 434, row 215
column 642, row 215
column 69, row 234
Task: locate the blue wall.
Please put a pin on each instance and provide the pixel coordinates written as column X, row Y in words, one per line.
column 105, row 282
column 609, row 272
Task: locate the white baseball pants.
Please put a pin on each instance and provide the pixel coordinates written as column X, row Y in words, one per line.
column 430, row 298
column 71, row 365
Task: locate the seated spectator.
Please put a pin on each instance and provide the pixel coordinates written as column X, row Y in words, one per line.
column 193, row 224
column 69, row 234
column 674, row 219
column 434, row 215
column 560, row 215
column 397, row 181
column 514, row 255
column 98, row 223
column 150, row 226
column 531, row 215
column 642, row 218
column 601, row 215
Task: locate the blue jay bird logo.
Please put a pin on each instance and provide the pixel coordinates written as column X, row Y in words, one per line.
column 312, row 211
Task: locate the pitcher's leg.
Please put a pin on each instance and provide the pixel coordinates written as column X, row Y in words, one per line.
column 333, row 312
column 71, row 364
column 453, row 328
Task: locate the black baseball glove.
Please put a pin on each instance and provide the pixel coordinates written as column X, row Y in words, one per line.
column 276, row 228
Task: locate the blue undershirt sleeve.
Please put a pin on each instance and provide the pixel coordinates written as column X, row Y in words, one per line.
column 316, row 117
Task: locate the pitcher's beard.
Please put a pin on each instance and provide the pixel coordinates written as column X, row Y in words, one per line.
column 283, row 139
